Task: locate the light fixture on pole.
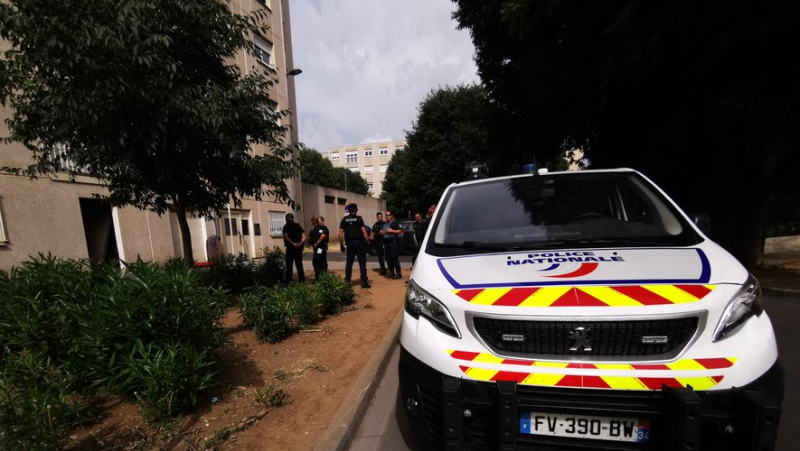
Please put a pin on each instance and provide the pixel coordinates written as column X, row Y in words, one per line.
column 291, row 73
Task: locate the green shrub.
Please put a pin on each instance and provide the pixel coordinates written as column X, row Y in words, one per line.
column 37, row 301
column 271, row 270
column 89, row 322
column 238, row 273
column 37, row 410
column 268, row 312
column 332, row 293
column 165, row 377
column 148, row 304
column 234, row 273
column 304, row 304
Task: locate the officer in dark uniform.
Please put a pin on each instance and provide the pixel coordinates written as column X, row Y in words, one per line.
column 318, row 237
column 353, row 233
column 392, row 235
column 377, row 241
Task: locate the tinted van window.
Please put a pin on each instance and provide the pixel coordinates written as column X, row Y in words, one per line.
column 562, row 210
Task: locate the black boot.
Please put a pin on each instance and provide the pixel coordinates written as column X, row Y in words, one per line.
column 396, row 275
column 382, row 271
column 365, row 284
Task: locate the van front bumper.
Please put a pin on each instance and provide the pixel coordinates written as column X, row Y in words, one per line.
column 463, row 414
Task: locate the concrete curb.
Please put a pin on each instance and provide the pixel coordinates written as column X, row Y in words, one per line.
column 340, row 432
column 781, row 293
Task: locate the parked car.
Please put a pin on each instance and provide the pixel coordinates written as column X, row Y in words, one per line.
column 409, row 243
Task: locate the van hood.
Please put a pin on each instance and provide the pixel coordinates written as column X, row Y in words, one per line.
column 651, row 266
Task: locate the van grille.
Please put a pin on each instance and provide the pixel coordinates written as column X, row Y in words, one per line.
column 603, row 339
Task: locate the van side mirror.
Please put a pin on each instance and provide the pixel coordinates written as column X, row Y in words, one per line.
column 703, row 222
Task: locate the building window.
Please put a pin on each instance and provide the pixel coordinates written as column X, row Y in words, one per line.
column 59, row 152
column 384, row 167
column 335, row 156
column 398, row 148
column 3, row 236
column 352, row 157
column 263, row 51
column 277, row 219
column 384, row 151
column 369, row 185
column 367, row 153
column 368, row 169
column 230, row 227
column 245, row 227
column 353, row 169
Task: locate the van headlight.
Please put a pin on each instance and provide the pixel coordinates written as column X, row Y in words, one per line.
column 746, row 303
column 420, row 303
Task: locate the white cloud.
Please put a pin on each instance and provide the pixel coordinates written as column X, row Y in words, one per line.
column 368, row 64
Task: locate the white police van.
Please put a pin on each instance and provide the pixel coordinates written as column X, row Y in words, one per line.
column 583, row 310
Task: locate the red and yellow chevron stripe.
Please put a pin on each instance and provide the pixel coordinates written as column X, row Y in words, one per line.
column 680, row 365
column 586, row 296
column 581, row 381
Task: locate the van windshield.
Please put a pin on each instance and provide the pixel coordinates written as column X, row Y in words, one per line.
column 571, row 210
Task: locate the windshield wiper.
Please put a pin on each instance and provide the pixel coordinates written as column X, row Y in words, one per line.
column 478, row 245
column 593, row 241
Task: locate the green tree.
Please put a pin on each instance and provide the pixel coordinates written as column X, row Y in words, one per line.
column 702, row 97
column 144, row 95
column 451, row 130
column 316, row 170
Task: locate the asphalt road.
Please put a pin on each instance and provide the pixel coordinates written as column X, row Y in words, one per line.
column 336, row 260
column 380, row 428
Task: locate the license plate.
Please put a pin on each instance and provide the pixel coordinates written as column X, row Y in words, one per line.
column 585, row 426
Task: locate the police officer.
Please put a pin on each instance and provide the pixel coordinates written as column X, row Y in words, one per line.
column 294, row 237
column 318, row 237
column 353, row 233
column 376, row 235
column 392, row 234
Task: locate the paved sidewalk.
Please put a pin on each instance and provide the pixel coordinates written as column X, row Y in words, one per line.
column 780, row 274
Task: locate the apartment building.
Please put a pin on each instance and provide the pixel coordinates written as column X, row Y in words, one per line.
column 65, row 218
column 370, row 160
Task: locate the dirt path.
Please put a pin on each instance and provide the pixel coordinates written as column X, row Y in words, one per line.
column 316, row 369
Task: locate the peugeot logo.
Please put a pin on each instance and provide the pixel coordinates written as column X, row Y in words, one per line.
column 582, row 339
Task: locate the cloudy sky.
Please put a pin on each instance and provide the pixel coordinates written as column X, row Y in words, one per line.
column 367, row 65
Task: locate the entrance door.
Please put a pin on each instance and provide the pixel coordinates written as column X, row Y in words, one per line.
column 98, row 226
column 238, row 234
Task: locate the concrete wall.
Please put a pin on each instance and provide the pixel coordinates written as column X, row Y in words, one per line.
column 782, row 244
column 38, row 219
column 330, row 204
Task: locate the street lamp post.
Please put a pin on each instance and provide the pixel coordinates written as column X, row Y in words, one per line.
column 295, row 186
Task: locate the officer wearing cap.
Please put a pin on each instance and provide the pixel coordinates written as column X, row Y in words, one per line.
column 353, row 232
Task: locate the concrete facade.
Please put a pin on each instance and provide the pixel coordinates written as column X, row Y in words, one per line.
column 65, row 218
column 370, row 160
column 330, row 204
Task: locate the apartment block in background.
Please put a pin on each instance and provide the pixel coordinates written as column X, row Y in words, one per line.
column 370, row 160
